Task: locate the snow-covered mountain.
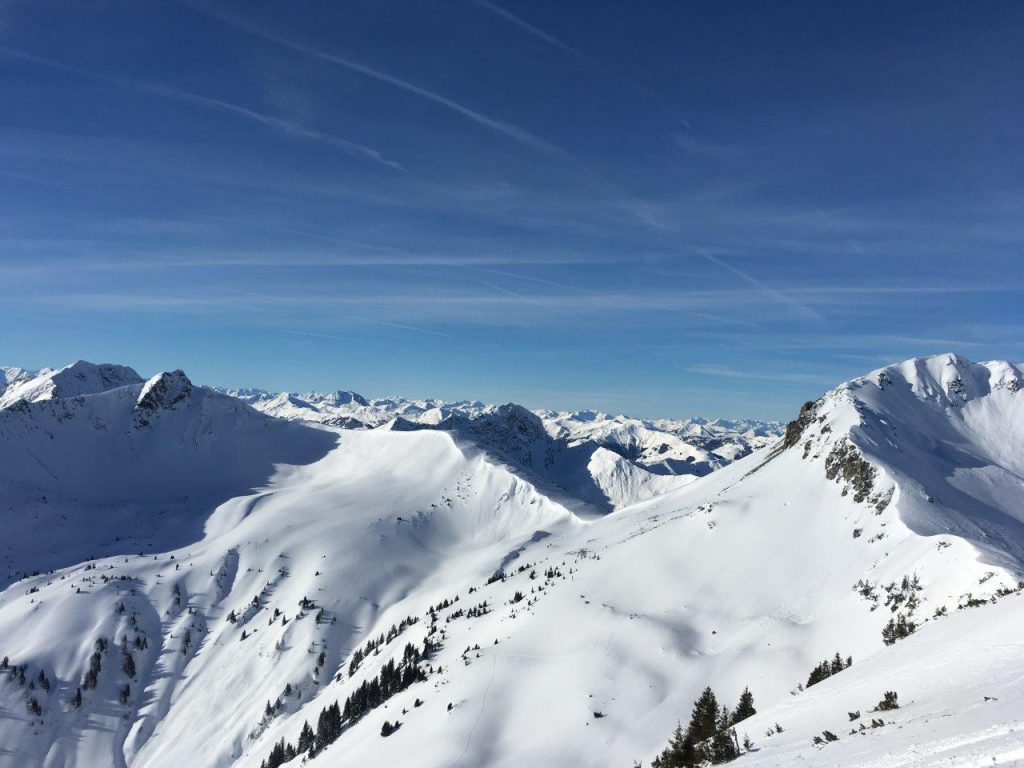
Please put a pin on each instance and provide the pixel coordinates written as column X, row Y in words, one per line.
column 239, row 574
column 79, row 378
column 350, row 409
column 603, row 461
column 97, row 461
column 726, row 440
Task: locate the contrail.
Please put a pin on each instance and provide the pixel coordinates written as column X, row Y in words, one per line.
column 171, row 93
column 514, row 132
column 527, row 27
column 553, row 41
column 530, row 300
column 802, row 309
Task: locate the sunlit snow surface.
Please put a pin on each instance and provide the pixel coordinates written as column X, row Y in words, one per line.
column 195, row 504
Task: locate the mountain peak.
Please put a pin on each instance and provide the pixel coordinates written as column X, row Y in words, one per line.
column 345, row 397
column 947, row 380
column 163, row 391
column 78, row 378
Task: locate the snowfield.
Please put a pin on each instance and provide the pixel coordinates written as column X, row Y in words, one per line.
column 196, row 574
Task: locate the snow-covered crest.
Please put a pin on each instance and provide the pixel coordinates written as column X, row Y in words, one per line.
column 80, row 378
column 553, row 448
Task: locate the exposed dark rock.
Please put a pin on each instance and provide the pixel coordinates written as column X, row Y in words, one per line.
column 845, row 461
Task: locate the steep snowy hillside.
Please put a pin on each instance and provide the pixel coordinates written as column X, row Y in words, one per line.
column 99, row 462
column 413, row 577
column 958, row 695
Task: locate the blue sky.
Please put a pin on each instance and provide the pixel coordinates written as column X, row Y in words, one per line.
column 663, row 208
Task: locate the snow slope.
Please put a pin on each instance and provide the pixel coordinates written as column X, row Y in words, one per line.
column 748, row 575
column 958, row 683
column 119, row 465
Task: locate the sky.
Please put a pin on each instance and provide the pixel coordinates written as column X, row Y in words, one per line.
column 663, row 209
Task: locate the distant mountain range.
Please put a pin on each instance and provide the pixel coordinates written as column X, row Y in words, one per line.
column 604, row 461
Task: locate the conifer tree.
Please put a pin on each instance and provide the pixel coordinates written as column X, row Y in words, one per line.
column 723, row 743
column 703, row 723
column 306, row 738
column 128, row 664
column 745, row 708
column 678, row 754
column 276, row 757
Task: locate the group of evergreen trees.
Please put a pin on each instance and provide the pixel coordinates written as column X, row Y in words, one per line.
column 890, row 701
column 95, row 664
column 897, row 629
column 480, row 609
column 328, row 729
column 393, row 678
column 710, row 736
column 828, row 668
column 442, row 606
column 374, row 644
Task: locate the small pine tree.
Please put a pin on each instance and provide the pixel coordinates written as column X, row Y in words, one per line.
column 76, row 698
column 703, row 719
column 678, row 753
column 889, row 632
column 306, row 739
column 723, row 743
column 745, row 708
column 128, row 664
